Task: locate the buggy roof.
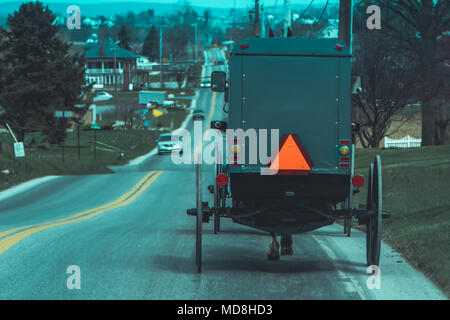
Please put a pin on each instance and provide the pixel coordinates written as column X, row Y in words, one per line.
column 291, row 47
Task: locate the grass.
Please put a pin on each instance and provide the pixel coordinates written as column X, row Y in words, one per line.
column 416, row 189
column 42, row 160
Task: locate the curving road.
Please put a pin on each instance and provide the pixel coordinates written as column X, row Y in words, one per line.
column 129, row 235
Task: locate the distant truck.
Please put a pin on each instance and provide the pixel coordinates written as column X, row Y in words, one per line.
column 152, row 97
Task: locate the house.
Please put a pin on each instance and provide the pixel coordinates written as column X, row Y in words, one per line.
column 100, row 69
column 331, row 30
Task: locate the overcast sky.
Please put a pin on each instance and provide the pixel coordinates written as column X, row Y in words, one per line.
column 209, row 3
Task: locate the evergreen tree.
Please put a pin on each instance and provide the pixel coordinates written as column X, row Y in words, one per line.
column 39, row 76
column 151, row 45
column 124, row 37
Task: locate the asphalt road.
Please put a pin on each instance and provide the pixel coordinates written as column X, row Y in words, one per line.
column 131, row 238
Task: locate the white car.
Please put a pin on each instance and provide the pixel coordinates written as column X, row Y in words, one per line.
column 206, row 84
column 103, row 96
column 170, row 144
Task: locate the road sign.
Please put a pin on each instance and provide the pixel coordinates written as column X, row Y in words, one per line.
column 292, row 157
column 19, row 150
column 157, row 113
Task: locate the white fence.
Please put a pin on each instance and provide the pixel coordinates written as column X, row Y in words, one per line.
column 406, row 142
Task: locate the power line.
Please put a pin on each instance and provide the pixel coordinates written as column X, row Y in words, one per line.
column 307, row 8
column 324, row 9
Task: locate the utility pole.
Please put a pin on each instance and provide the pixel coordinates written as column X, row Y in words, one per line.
column 287, row 17
column 196, row 41
column 115, row 76
column 160, row 57
column 234, row 15
column 345, row 22
column 78, row 140
column 257, row 22
column 263, row 23
column 115, row 72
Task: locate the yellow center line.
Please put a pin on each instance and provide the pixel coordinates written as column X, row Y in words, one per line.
column 211, row 113
column 5, row 233
column 127, row 198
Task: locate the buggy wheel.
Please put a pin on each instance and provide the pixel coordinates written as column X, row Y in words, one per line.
column 345, row 220
column 217, row 196
column 216, row 223
column 348, row 221
column 198, row 238
column 349, row 201
column 374, row 222
column 348, row 218
column 369, row 206
column 198, row 244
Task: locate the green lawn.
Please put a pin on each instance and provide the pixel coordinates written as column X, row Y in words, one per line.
column 42, row 160
column 416, row 191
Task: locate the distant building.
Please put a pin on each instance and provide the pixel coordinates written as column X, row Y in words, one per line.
column 100, row 65
column 331, row 30
column 152, row 97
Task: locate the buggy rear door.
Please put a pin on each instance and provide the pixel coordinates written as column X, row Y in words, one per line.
column 295, row 94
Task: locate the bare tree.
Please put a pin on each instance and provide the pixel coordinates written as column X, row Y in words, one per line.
column 417, row 26
column 386, row 88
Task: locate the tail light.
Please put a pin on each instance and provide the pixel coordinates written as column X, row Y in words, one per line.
column 222, row 180
column 345, row 150
column 236, row 146
column 344, row 154
column 358, row 180
column 244, row 46
column 356, row 127
column 219, row 125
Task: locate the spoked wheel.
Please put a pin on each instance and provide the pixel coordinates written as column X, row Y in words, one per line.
column 198, row 242
column 369, row 206
column 346, row 205
column 217, row 200
column 349, row 201
column 345, row 220
column 375, row 205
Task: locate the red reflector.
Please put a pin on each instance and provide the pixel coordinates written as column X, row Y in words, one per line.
column 338, row 47
column 345, row 142
column 244, row 46
column 344, row 165
column 358, row 180
column 222, row 180
column 344, row 159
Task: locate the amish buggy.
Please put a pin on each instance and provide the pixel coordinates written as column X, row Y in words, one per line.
column 302, row 89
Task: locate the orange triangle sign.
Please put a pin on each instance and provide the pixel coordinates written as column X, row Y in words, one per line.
column 292, row 157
